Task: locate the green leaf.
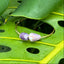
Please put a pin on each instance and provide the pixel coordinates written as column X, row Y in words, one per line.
column 57, row 58
column 19, row 48
column 3, row 5
column 36, row 9
column 13, row 3
column 60, row 8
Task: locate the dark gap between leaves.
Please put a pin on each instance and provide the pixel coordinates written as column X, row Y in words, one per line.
column 37, row 25
column 19, row 1
column 2, row 19
column 45, row 28
column 61, row 61
column 10, row 13
column 4, row 48
column 33, row 50
column 0, row 24
column 2, row 31
column 61, row 23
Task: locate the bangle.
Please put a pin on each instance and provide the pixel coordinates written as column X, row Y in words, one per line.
column 32, row 36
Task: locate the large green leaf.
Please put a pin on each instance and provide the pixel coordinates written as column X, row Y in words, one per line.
column 18, row 48
column 36, row 9
column 3, row 5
